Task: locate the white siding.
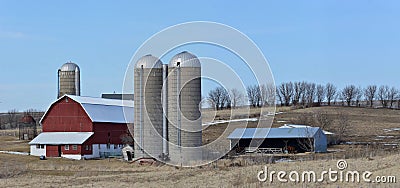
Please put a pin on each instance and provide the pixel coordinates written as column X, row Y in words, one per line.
column 76, row 157
column 100, row 150
column 104, row 151
column 37, row 151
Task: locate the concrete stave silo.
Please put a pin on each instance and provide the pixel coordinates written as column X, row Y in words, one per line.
column 148, row 125
column 184, row 97
column 69, row 80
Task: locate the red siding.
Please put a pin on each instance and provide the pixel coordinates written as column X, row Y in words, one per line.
column 66, row 116
column 69, row 116
column 71, row 151
column 84, row 151
column 52, row 151
column 107, row 133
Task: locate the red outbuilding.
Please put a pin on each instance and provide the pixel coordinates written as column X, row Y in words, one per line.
column 83, row 127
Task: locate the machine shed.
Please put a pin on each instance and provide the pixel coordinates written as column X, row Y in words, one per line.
column 283, row 139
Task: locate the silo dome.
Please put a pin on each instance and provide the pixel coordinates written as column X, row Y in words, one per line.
column 148, row 62
column 69, row 67
column 69, row 80
column 185, row 59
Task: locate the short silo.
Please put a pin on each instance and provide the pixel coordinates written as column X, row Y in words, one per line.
column 148, row 119
column 184, row 97
column 69, row 80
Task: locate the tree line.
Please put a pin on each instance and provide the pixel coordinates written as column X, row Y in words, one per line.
column 305, row 94
column 10, row 120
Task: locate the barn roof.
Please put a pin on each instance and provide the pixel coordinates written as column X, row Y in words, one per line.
column 302, row 126
column 261, row 133
column 103, row 110
column 57, row 138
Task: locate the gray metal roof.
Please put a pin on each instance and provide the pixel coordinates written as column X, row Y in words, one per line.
column 148, row 62
column 69, row 67
column 104, row 110
column 261, row 133
column 58, row 138
column 185, row 59
column 119, row 96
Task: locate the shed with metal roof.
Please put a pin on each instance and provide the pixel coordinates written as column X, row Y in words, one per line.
column 287, row 139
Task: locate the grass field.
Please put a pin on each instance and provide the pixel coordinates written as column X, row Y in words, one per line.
column 366, row 125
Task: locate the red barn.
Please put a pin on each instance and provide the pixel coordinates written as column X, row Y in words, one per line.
column 83, row 127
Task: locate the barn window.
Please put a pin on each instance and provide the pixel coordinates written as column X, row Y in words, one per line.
column 41, row 146
column 66, row 147
column 87, row 147
column 74, row 147
column 37, row 146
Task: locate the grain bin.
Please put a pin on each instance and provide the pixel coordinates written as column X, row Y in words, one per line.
column 148, row 119
column 184, row 97
column 69, row 80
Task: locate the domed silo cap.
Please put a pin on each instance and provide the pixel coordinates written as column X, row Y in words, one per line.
column 184, row 59
column 69, row 67
column 148, row 62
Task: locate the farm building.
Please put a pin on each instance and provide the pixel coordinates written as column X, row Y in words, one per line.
column 331, row 138
column 27, row 128
column 83, row 127
column 278, row 140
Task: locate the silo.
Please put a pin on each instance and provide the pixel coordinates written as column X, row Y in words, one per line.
column 184, row 97
column 69, row 80
column 148, row 125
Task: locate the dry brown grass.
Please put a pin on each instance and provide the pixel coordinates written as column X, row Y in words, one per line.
column 365, row 123
column 11, row 143
column 114, row 173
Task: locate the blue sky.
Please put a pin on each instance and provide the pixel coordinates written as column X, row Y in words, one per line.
column 343, row 42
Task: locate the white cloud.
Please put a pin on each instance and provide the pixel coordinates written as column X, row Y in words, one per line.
column 12, row 34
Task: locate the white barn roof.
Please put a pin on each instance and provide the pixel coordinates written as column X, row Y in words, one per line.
column 104, row 110
column 58, row 138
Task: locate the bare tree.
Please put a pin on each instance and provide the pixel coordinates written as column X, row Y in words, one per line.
column 310, row 91
column 330, row 92
column 320, row 94
column 280, row 98
column 349, row 93
column 253, row 94
column 298, row 91
column 286, row 92
column 237, row 97
column 307, row 143
column 226, row 99
column 217, row 97
column 322, row 120
column 383, row 95
column 392, row 96
column 369, row 93
column 398, row 100
column 271, row 90
column 304, row 119
column 12, row 118
column 343, row 125
column 358, row 95
column 264, row 95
